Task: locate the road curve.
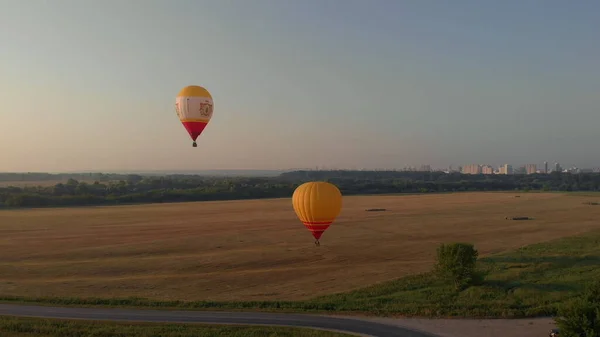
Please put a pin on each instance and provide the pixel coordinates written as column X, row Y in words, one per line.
column 347, row 325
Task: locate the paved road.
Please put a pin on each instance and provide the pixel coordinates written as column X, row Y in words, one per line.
column 347, row 325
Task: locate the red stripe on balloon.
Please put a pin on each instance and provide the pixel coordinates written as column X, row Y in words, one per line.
column 194, row 128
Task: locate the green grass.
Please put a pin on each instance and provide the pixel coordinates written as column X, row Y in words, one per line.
column 532, row 281
column 30, row 327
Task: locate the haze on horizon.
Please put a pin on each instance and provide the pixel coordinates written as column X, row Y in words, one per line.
column 90, row 85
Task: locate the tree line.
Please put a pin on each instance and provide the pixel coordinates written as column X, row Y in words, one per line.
column 112, row 189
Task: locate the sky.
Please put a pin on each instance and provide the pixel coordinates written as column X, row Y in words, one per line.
column 91, row 85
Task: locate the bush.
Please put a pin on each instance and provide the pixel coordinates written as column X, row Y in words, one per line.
column 456, row 264
column 581, row 317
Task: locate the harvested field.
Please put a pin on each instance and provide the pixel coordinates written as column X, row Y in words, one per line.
column 258, row 250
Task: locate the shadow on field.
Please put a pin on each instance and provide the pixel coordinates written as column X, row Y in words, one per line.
column 556, row 261
column 507, row 285
column 538, row 273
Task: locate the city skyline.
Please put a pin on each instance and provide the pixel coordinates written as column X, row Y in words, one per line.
column 529, row 168
column 471, row 167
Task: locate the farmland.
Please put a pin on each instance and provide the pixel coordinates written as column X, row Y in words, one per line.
column 257, row 250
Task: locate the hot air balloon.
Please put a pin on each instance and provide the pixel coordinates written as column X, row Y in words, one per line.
column 194, row 107
column 317, row 204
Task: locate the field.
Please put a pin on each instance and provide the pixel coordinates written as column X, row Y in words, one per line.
column 257, row 250
column 29, row 327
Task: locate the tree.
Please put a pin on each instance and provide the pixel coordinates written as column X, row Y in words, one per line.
column 122, row 188
column 456, row 264
column 581, row 317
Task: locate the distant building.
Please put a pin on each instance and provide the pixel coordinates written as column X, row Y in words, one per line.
column 505, row 169
column 557, row 167
column 425, row 168
column 520, row 170
column 471, row 169
column 545, row 167
column 530, row 168
column 452, row 170
column 487, row 169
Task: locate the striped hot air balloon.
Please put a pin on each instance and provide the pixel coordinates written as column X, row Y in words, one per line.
column 194, row 107
column 317, row 204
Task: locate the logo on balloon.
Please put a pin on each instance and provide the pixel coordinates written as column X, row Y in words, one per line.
column 206, row 109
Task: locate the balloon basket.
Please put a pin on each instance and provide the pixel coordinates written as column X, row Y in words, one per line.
column 194, row 144
column 317, row 243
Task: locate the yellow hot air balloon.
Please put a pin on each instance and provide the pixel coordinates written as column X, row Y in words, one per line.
column 317, row 204
column 194, row 107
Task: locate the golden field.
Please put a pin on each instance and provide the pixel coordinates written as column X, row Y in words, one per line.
column 257, row 249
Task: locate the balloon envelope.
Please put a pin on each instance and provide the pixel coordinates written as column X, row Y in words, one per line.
column 317, row 204
column 194, row 107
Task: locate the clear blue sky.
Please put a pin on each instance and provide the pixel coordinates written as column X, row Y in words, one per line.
column 90, row 85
